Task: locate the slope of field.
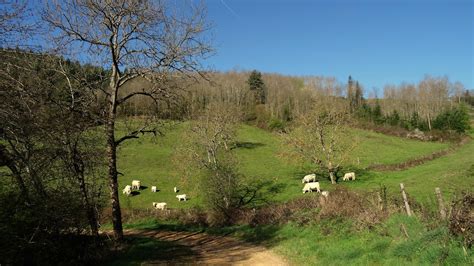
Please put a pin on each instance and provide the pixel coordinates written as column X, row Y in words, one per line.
column 453, row 172
column 150, row 160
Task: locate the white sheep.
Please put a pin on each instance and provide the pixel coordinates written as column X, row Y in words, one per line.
column 153, row 188
column 159, row 205
column 309, row 178
column 127, row 190
column 325, row 193
column 349, row 176
column 181, row 197
column 136, row 184
column 176, row 190
column 309, row 187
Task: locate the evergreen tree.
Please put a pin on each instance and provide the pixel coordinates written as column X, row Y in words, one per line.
column 455, row 119
column 257, row 86
column 377, row 114
column 351, row 94
column 394, row 118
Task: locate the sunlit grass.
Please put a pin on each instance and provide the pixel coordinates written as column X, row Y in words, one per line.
column 149, row 159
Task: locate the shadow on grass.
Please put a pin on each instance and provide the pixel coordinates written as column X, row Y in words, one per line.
column 135, row 193
column 265, row 235
column 247, row 145
column 140, row 249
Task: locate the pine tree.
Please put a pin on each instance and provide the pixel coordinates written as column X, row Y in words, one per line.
column 257, row 86
column 351, row 94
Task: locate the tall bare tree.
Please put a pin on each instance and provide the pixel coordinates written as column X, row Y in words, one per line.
column 149, row 39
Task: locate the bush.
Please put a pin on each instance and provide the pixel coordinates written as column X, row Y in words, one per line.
column 455, row 119
column 276, row 124
column 461, row 221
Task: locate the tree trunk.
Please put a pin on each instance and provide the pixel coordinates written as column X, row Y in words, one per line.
column 6, row 160
column 112, row 146
column 91, row 217
column 19, row 181
column 332, row 176
column 113, row 182
column 429, row 122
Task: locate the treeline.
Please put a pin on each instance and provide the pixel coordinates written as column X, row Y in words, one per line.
column 272, row 100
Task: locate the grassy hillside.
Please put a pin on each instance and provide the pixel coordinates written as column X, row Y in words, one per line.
column 150, row 160
column 451, row 173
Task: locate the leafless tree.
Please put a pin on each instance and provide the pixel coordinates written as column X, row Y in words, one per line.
column 321, row 138
column 147, row 39
column 207, row 147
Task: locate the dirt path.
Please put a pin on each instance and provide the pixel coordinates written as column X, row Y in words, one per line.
column 201, row 248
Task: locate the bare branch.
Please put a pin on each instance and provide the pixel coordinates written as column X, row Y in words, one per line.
column 134, row 135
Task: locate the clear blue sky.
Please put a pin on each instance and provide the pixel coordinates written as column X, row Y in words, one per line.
column 377, row 42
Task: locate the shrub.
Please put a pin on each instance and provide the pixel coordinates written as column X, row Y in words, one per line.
column 461, row 220
column 454, row 119
column 276, row 124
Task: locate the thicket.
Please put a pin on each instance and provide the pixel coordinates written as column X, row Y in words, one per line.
column 51, row 160
column 452, row 119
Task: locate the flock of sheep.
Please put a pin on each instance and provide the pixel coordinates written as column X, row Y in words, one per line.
column 310, row 183
column 136, row 184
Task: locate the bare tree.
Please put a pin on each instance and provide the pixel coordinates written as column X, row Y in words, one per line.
column 147, row 39
column 321, row 138
column 207, row 149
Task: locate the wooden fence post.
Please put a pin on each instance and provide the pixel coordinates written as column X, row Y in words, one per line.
column 442, row 210
column 407, row 206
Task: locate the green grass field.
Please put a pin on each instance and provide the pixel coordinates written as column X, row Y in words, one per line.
column 149, row 160
column 332, row 242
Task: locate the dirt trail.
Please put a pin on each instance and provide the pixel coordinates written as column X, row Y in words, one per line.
column 201, row 248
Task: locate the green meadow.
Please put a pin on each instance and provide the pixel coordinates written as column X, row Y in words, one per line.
column 150, row 160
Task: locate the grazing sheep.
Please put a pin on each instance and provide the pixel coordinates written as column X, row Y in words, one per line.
column 136, row 184
column 153, row 188
column 182, row 197
column 325, row 193
column 127, row 190
column 309, row 178
column 349, row 176
column 309, row 187
column 159, row 205
column 176, row 190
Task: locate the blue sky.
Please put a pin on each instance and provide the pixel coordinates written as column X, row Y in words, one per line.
column 377, row 42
